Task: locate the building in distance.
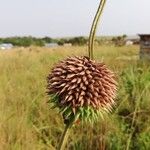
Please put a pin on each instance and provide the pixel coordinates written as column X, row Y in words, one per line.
column 131, row 40
column 6, row 46
column 51, row 45
column 144, row 46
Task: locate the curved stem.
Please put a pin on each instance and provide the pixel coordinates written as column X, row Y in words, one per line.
column 94, row 28
column 64, row 137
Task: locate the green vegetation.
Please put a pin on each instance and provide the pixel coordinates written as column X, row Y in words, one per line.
column 23, row 41
column 75, row 41
column 32, row 41
column 28, row 123
column 119, row 40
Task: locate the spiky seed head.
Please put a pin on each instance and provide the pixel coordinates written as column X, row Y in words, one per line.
column 82, row 86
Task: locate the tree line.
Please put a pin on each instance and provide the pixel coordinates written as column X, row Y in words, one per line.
column 28, row 41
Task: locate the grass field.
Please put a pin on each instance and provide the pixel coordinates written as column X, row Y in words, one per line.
column 28, row 123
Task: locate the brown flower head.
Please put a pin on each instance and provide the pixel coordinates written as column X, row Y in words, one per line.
column 79, row 83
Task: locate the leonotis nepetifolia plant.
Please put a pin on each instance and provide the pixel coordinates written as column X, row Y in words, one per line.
column 80, row 87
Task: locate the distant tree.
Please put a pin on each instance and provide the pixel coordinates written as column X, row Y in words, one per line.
column 124, row 36
column 23, row 41
column 47, row 39
column 78, row 41
column 1, row 40
column 62, row 41
column 38, row 42
column 119, row 40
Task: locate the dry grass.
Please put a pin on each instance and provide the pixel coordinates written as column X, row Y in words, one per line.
column 28, row 123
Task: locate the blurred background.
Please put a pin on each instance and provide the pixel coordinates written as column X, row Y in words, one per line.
column 35, row 35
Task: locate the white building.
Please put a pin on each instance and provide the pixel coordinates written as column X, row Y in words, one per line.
column 129, row 42
column 5, row 46
column 49, row 45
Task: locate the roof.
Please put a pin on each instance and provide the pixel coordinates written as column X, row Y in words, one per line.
column 51, row 45
column 130, row 38
column 144, row 34
column 6, row 46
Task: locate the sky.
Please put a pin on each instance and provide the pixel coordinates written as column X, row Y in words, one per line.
column 65, row 18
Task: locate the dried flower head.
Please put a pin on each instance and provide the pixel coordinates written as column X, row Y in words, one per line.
column 82, row 87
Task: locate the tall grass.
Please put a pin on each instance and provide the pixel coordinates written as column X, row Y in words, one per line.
column 28, row 123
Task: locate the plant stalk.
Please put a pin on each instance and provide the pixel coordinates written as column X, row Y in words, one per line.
column 94, row 28
column 90, row 51
column 64, row 137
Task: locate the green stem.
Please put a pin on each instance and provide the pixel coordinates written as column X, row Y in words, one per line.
column 94, row 28
column 64, row 137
